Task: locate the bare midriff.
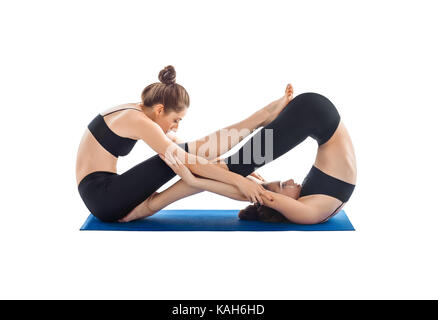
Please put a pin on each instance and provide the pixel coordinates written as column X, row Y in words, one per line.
column 336, row 158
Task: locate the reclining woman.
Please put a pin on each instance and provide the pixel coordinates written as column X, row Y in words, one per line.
column 324, row 191
column 111, row 196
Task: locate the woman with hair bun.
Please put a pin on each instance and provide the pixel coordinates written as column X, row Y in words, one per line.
column 123, row 197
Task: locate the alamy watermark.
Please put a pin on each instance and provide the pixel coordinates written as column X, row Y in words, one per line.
column 258, row 150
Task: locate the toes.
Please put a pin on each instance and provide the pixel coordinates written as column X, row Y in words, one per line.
column 289, row 89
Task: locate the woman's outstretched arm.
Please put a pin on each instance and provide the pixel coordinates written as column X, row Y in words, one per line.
column 182, row 189
column 223, row 140
column 154, row 136
column 294, row 210
column 198, row 183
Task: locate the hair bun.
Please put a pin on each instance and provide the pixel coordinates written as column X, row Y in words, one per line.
column 167, row 75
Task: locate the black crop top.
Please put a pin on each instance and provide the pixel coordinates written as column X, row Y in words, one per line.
column 113, row 143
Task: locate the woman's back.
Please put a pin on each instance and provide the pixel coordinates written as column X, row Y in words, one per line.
column 336, row 157
column 92, row 156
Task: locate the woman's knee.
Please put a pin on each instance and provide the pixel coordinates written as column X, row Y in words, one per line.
column 308, row 96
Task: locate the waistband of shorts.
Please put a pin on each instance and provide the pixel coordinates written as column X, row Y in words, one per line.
column 319, row 182
column 94, row 175
column 331, row 177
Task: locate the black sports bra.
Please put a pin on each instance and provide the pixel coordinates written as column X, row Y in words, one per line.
column 113, row 143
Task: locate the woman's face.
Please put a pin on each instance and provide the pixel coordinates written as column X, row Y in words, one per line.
column 288, row 188
column 170, row 121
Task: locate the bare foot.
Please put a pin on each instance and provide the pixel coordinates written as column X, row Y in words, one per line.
column 274, row 108
column 288, row 93
column 143, row 210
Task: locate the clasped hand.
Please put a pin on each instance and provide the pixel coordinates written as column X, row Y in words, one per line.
column 250, row 189
column 253, row 191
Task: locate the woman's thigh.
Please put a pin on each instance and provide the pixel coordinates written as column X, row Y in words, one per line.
column 127, row 190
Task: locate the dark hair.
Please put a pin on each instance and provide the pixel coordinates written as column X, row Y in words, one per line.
column 261, row 213
column 167, row 92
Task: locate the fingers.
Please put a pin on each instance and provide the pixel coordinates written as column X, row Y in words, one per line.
column 171, row 160
column 266, row 194
column 171, row 163
column 255, row 199
column 259, row 177
column 169, row 156
column 267, row 198
column 259, row 199
column 166, row 160
column 259, row 195
column 162, row 157
column 179, row 162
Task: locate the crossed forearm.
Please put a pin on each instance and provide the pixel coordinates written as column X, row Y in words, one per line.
column 181, row 189
column 217, row 171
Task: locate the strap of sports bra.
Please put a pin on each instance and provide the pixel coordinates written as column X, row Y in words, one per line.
column 121, row 110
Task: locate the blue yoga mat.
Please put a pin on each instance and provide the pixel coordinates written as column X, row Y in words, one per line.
column 212, row 220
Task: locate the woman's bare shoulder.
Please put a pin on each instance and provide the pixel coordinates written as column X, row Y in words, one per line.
column 121, row 107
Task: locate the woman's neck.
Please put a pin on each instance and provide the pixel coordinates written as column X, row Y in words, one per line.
column 149, row 112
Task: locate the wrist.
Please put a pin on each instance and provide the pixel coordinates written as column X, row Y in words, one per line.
column 194, row 182
column 237, row 182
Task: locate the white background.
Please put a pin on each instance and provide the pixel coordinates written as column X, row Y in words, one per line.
column 62, row 62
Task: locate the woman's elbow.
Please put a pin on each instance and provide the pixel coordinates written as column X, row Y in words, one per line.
column 305, row 218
